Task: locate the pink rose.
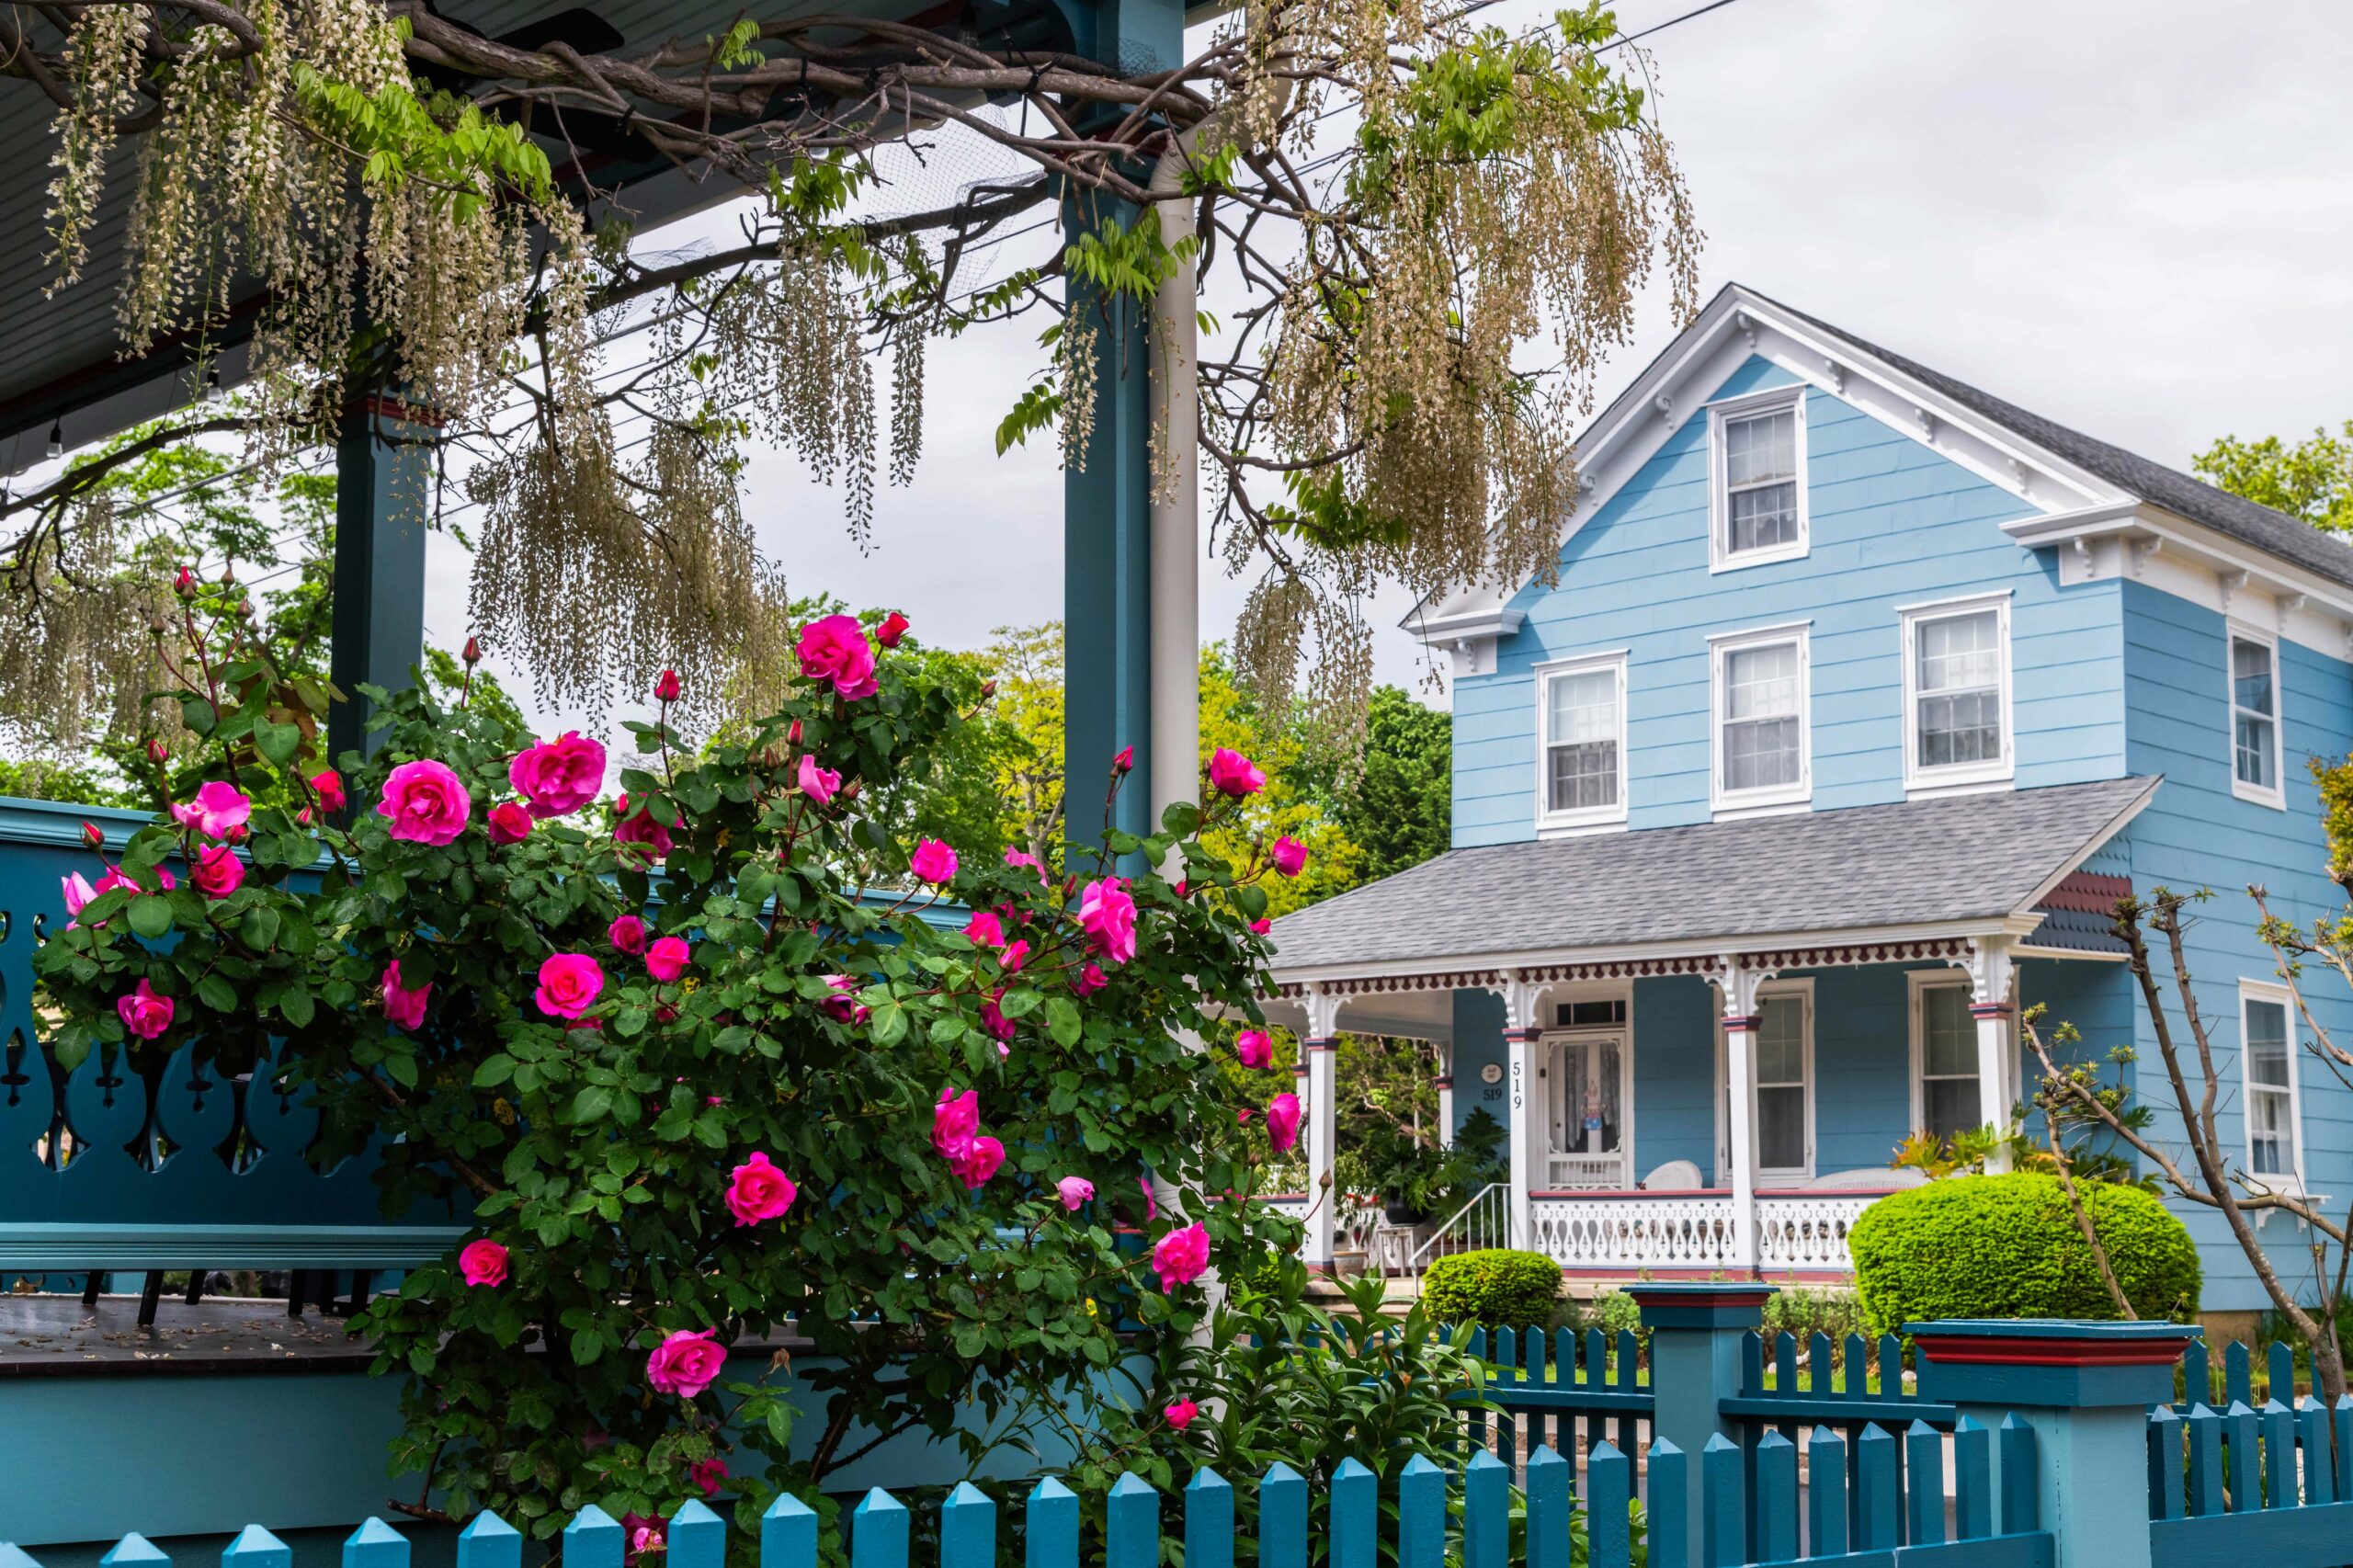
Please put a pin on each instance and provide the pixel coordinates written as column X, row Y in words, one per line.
column 894, row 626
column 425, row 802
column 1289, row 856
column 328, row 785
column 993, row 1019
column 639, row 828
column 845, row 1006
column 685, row 1363
column 569, row 983
column 1107, row 915
column 1282, row 1121
column 756, row 1190
column 1016, row 858
column 1180, row 1415
column 483, row 1262
column 1231, row 773
column 955, row 1123
column 77, row 892
column 628, row 933
column 934, row 862
column 1016, row 954
column 1150, row 1204
column 709, row 1474
column 1075, row 1191
column 979, row 1163
column 1179, row 1256
column 143, row 1013
column 1262, row 928
column 219, row 872
column 220, row 807
column 984, row 929
column 834, row 649
column 508, row 824
column 1090, row 980
column 1253, row 1048
column 641, row 1536
column 820, row 784
column 403, row 1006
column 116, row 878
column 561, row 776
column 667, row 959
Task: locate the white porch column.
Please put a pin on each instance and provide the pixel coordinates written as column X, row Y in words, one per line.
column 1741, row 1021
column 1319, row 1069
column 1445, row 1097
column 1524, row 1023
column 1991, row 971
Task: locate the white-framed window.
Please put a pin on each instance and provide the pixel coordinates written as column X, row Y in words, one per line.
column 2255, row 716
column 1756, row 478
column 1581, row 728
column 1762, row 709
column 2275, row 1144
column 1945, row 1098
column 1784, row 1130
column 1957, row 727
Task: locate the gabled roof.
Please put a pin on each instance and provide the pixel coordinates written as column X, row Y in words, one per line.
column 1929, row 863
column 2291, row 538
column 2058, row 471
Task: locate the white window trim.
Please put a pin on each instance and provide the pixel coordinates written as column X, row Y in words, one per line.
column 1954, row 777
column 2293, row 1180
column 1586, row 818
column 1775, row 798
column 2276, row 797
column 1920, row 981
column 1801, row 988
column 1720, row 556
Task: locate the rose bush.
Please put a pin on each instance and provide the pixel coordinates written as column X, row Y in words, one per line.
column 696, row 1062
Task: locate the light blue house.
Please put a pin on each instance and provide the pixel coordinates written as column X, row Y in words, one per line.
column 1861, row 699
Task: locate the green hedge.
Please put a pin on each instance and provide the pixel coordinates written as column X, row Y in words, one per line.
column 1497, row 1287
column 2006, row 1246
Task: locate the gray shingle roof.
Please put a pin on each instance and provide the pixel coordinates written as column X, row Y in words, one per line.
column 1923, row 861
column 2277, row 533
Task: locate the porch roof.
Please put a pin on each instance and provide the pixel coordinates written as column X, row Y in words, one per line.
column 1929, row 863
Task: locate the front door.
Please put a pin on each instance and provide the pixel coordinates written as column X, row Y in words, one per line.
column 1588, row 1112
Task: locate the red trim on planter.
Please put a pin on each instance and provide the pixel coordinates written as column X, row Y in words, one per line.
column 1979, row 1350
column 1732, row 1295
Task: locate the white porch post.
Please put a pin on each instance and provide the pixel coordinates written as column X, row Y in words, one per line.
column 1319, row 1066
column 1445, row 1095
column 1739, row 985
column 1524, row 1005
column 1990, row 972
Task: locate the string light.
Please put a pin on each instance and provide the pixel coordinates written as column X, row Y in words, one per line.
column 57, row 439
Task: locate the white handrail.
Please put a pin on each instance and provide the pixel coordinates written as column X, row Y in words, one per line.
column 1484, row 1230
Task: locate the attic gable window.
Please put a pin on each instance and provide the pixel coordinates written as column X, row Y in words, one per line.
column 1756, row 478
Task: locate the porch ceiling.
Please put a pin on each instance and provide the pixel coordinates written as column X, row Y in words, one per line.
column 1934, row 863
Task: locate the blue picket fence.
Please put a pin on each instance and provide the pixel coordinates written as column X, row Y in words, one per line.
column 1547, row 1384
column 1431, row 1516
column 2274, row 1482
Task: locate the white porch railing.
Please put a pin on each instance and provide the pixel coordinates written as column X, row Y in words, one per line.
column 1807, row 1231
column 1485, row 1222
column 1677, row 1231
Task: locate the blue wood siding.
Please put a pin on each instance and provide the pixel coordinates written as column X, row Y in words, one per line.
column 2196, row 834
column 1891, row 523
column 1675, row 1074
column 1479, row 1020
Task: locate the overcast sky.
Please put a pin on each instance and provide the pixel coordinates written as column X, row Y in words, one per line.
column 2132, row 218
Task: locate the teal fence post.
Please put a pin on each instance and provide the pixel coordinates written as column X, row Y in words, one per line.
column 2087, row 1388
column 133, row 1551
column 787, row 1534
column 1670, row 1478
column 15, row 1556
column 1421, row 1516
column 878, row 1532
column 593, row 1539
column 1208, row 1521
column 257, row 1548
column 697, row 1537
column 1550, row 1482
column 1131, row 1524
column 489, row 1541
column 1356, row 1519
column 375, row 1544
column 967, row 1528
column 1051, row 1538
column 1694, row 1332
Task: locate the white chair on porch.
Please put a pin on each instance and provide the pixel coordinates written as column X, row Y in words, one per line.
column 1675, row 1175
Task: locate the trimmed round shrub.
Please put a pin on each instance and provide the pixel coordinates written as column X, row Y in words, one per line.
column 1497, row 1287
column 2006, row 1246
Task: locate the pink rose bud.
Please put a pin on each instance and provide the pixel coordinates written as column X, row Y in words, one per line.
column 483, row 1262
column 793, row 734
column 894, row 627
column 91, row 838
column 667, row 959
column 1075, row 1191
column 1262, row 928
column 756, row 1190
column 472, row 655
column 185, row 583
column 329, row 786
column 1289, row 856
column 405, row 1004
column 1180, row 1415
column 988, row 689
column 1282, row 1121
column 509, row 823
column 709, row 1474
column 667, row 689
column 304, row 817
column 158, row 753
column 1125, row 761
column 628, row 933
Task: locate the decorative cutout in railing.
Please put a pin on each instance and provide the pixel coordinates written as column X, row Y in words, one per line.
column 1636, row 1232
column 1356, row 1525
column 107, row 1168
column 1806, row 1232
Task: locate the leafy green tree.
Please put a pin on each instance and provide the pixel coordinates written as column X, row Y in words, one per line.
column 2311, row 479
column 1399, row 809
